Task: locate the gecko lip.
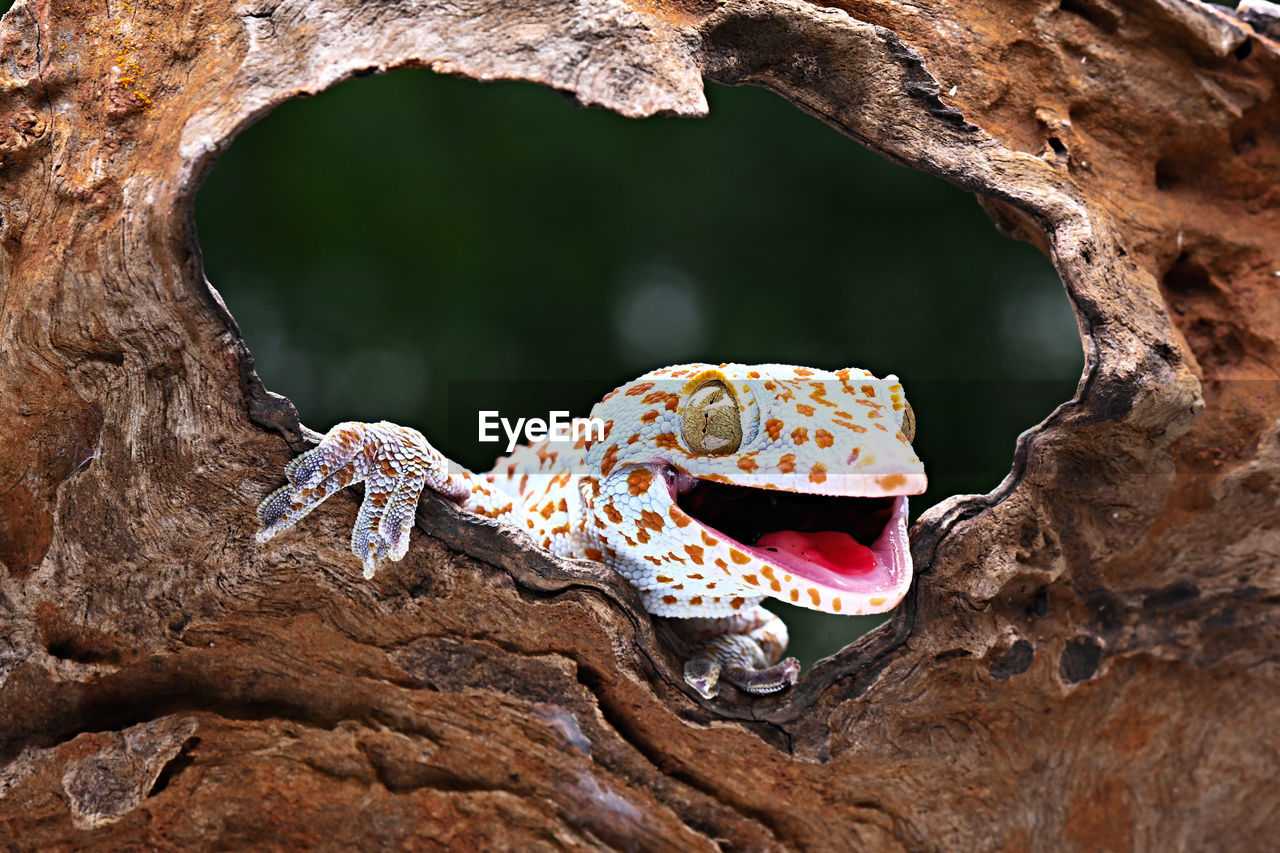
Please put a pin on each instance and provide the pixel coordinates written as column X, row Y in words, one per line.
column 850, row 527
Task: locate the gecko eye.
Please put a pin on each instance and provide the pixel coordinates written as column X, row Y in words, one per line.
column 909, row 423
column 711, row 423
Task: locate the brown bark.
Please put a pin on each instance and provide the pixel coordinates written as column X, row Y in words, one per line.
column 1089, row 656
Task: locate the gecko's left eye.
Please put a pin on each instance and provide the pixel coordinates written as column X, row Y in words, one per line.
column 909, row 423
column 711, row 423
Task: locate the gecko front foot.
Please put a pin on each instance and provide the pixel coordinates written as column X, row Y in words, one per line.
column 770, row 679
column 743, row 649
column 738, row 660
column 394, row 462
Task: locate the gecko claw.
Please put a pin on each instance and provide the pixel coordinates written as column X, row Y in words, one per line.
column 769, row 680
column 702, row 675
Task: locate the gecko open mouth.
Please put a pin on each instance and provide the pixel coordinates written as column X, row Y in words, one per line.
column 858, row 544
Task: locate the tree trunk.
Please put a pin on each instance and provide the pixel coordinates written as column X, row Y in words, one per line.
column 1089, row 655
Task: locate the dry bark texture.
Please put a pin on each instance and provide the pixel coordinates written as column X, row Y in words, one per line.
column 1089, row 657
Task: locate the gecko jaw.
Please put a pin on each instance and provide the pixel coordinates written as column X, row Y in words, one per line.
column 854, row 548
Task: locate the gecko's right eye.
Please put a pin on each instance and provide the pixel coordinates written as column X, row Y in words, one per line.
column 711, row 423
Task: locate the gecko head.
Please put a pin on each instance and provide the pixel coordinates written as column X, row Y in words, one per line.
column 730, row 482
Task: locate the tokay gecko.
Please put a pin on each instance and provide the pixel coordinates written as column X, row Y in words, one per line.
column 713, row 488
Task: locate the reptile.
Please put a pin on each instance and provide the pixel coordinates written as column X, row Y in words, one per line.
column 710, row 488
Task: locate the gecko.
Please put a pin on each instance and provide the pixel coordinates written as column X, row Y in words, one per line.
column 710, row 488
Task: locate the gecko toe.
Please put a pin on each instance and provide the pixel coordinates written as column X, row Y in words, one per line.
column 702, row 675
column 768, row 680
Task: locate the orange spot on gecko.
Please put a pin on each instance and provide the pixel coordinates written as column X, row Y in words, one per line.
column 892, row 481
column 666, row 440
column 852, row 426
column 807, row 411
column 722, row 564
column 650, row 519
column 819, row 395
column 824, row 438
column 787, row 463
column 795, row 595
column 696, row 600
column 773, row 427
column 642, row 534
column 593, row 554
column 876, row 602
column 813, row 594
column 709, row 541
column 639, row 388
column 610, row 459
column 638, row 482
column 751, row 579
column 736, row 603
column 664, row 579
column 679, row 516
column 738, row 557
column 547, row 511
column 695, row 554
column 669, row 599
column 818, row 473
column 835, row 605
column 649, row 416
column 747, row 464
column 611, row 512
column 800, row 435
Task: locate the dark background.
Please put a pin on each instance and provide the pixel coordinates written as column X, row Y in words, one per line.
column 404, row 245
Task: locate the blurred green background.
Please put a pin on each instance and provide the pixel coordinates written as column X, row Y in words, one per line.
column 404, row 244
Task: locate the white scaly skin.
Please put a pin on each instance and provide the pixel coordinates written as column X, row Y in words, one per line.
column 676, row 438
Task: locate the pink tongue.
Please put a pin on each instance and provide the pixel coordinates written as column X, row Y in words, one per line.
column 835, row 551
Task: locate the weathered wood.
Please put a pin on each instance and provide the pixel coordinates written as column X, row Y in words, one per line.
column 1089, row 656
